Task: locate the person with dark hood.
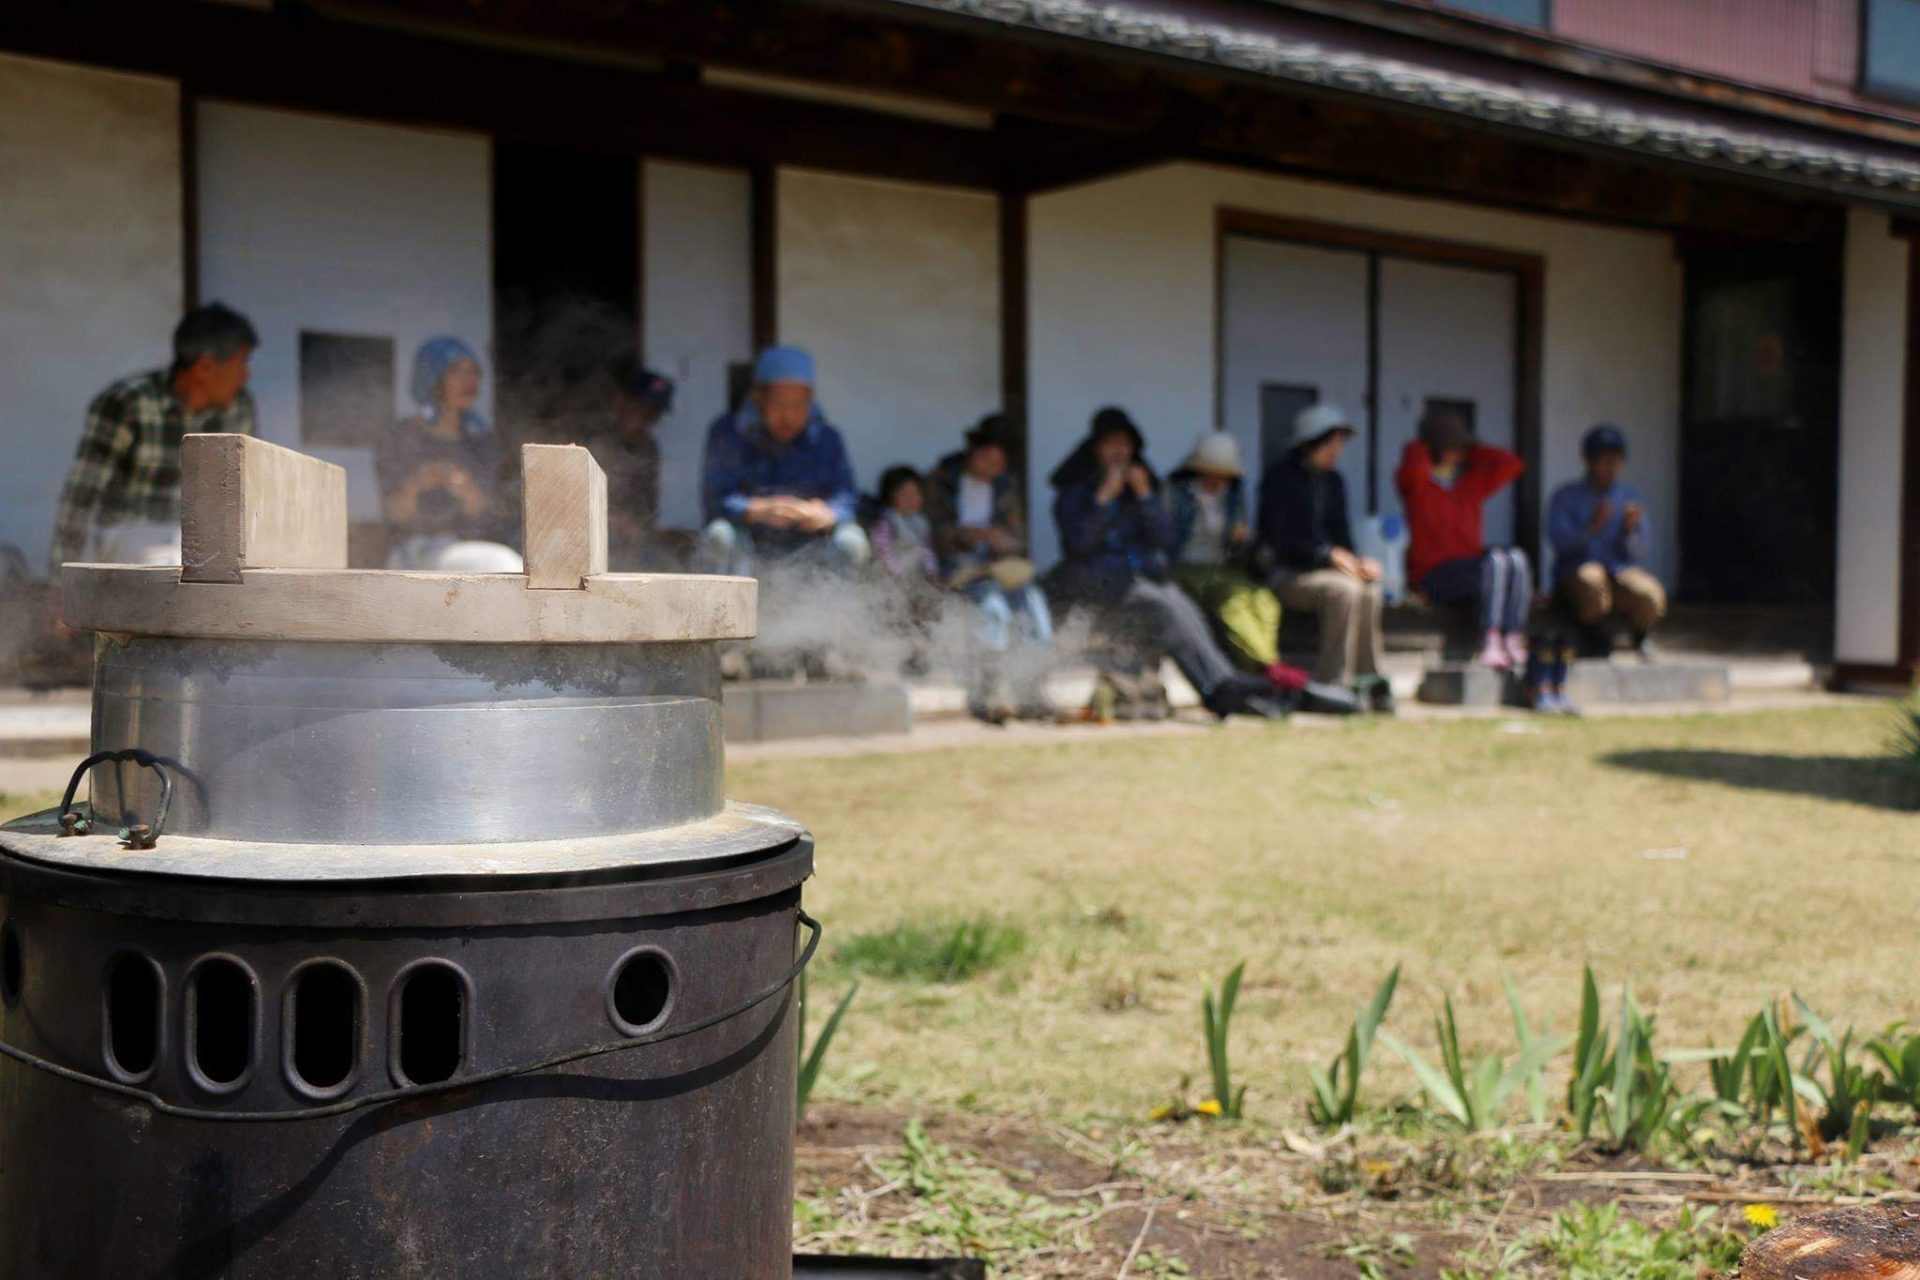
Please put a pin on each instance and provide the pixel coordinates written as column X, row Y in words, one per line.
column 978, row 513
column 1117, row 534
column 1304, row 530
column 1446, row 478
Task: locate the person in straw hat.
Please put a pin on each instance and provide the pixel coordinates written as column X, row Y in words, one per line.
column 1211, row 541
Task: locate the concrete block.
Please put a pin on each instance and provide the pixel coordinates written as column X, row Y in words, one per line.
column 772, row 710
column 1463, row 684
column 1598, row 681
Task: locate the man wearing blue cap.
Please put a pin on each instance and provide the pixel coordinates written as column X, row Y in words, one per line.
column 1598, row 528
column 777, row 482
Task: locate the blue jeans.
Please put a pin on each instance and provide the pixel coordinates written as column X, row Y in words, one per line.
column 1497, row 582
column 726, row 547
column 1000, row 610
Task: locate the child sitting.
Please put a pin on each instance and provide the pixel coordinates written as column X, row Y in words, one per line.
column 903, row 549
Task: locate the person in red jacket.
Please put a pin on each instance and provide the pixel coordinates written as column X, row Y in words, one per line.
column 1445, row 479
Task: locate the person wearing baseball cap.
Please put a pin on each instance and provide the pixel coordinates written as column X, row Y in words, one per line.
column 1211, row 538
column 1597, row 526
column 776, row 479
column 627, row 451
column 1305, row 533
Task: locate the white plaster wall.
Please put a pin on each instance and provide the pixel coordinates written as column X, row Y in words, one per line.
column 1122, row 310
column 90, row 264
column 313, row 222
column 1873, row 345
column 696, row 308
column 895, row 288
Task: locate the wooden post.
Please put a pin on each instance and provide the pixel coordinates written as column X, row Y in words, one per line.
column 249, row 504
column 1864, row 1242
column 565, row 515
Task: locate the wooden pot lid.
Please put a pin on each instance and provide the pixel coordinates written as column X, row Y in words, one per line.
column 264, row 555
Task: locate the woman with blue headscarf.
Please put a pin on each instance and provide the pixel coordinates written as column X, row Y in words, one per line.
column 439, row 470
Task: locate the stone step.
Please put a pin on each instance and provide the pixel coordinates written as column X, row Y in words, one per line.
column 1590, row 682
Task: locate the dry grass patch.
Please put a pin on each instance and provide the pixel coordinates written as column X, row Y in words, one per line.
column 1712, row 859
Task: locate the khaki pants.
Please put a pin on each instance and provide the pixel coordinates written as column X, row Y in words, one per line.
column 1635, row 594
column 1349, row 613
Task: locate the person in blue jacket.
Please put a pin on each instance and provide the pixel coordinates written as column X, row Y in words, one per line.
column 777, row 484
column 1598, row 527
column 1117, row 532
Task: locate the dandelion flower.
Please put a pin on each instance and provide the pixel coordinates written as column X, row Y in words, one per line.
column 1160, row 1113
column 1211, row 1107
column 1763, row 1216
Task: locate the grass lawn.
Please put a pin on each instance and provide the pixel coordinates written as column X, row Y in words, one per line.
column 1713, row 860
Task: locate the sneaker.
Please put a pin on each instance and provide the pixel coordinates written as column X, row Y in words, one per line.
column 1546, row 702
column 1643, row 648
column 1562, row 704
column 995, row 714
column 1517, row 650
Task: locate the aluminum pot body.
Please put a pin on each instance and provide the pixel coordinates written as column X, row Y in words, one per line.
column 408, row 743
column 671, row 1161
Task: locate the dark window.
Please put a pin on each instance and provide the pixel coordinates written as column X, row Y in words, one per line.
column 1465, row 410
column 1890, row 48
column 346, row 388
column 1279, row 403
column 1519, row 13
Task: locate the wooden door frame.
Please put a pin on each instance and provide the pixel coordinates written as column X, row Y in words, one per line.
column 1529, row 272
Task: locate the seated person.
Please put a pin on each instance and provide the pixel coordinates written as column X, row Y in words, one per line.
column 440, row 471
column 979, row 523
column 1445, row 479
column 1116, row 533
column 1598, row 528
column 903, row 552
column 121, row 500
column 1211, row 539
column 777, row 483
column 1303, row 529
column 627, row 451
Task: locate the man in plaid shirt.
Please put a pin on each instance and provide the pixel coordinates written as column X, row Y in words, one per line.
column 122, row 496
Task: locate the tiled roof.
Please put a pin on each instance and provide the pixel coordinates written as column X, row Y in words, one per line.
column 1878, row 176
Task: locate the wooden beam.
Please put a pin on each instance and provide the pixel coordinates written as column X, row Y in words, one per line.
column 763, row 230
column 499, row 65
column 1161, row 108
column 1909, row 641
column 249, row 504
column 293, row 58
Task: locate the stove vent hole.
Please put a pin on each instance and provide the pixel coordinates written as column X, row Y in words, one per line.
column 13, row 965
column 432, row 1018
column 133, row 1013
column 326, row 1025
column 641, row 988
column 221, row 1014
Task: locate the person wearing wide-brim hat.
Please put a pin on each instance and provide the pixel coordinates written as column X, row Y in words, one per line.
column 1305, row 533
column 1211, row 541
